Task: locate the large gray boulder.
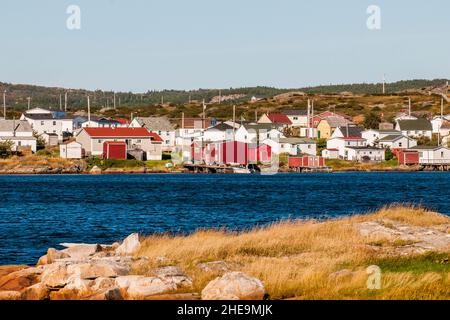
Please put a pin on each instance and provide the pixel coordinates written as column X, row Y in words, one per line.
column 130, row 245
column 234, row 286
column 140, row 287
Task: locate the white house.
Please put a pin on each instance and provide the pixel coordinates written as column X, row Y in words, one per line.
column 71, row 150
column 191, row 129
column 45, row 121
column 296, row 146
column 437, row 123
column 415, row 128
column 19, row 132
column 92, row 140
column 397, row 142
column 299, row 118
column 330, row 153
column 433, row 155
column 354, row 149
column 220, row 132
column 159, row 125
column 373, row 136
column 257, row 133
column 365, row 154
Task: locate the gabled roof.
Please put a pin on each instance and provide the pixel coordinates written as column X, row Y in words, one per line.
column 121, row 133
column 15, row 125
column 445, row 125
column 351, row 131
column 279, row 118
column 392, row 137
column 122, row 120
column 156, row 123
column 336, row 121
column 39, row 116
column 222, row 127
column 419, row 124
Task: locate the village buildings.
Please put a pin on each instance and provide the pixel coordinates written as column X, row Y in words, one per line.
column 159, row 125
column 19, row 133
column 415, row 128
column 93, row 139
column 45, row 121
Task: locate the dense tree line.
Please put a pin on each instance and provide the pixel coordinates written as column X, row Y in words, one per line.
column 17, row 94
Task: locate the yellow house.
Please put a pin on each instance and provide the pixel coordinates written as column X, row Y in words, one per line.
column 328, row 125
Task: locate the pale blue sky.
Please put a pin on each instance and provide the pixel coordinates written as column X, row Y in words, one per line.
column 137, row 45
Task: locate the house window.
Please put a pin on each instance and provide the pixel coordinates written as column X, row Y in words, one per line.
column 99, row 141
column 442, row 154
column 42, row 123
column 295, row 118
column 54, row 123
column 19, row 143
column 138, row 141
column 400, row 144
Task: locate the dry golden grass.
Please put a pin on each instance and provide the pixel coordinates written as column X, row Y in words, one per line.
column 294, row 259
column 34, row 161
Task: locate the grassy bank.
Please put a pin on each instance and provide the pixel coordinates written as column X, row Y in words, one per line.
column 34, row 161
column 391, row 165
column 299, row 259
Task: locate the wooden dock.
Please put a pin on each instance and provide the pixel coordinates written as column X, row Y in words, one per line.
column 204, row 168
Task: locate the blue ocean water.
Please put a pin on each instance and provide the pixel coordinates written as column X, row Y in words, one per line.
column 37, row 212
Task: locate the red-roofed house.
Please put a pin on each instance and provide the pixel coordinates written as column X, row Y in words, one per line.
column 276, row 118
column 92, row 140
column 123, row 122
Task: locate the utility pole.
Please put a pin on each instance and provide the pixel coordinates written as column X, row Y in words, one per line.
column 220, row 96
column 384, row 84
column 65, row 102
column 89, row 110
column 60, row 102
column 114, row 100
column 409, row 103
column 29, row 102
column 4, row 105
column 442, row 121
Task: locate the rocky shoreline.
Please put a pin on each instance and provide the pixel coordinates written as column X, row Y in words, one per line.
column 80, row 169
column 105, row 272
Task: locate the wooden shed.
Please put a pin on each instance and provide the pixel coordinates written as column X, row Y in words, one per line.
column 115, row 150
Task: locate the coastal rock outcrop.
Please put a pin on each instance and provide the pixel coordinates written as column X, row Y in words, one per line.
column 105, row 272
column 130, row 245
column 234, row 286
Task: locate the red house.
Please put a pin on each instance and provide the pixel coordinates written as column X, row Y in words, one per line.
column 407, row 157
column 115, row 150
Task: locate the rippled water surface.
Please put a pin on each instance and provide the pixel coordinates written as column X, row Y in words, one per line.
column 38, row 212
